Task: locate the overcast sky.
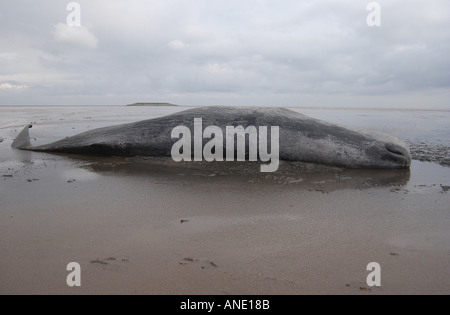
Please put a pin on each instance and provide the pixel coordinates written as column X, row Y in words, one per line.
column 208, row 52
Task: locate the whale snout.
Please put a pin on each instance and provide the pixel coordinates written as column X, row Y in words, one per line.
column 398, row 155
column 389, row 153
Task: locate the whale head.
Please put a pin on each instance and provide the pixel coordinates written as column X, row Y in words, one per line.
column 387, row 152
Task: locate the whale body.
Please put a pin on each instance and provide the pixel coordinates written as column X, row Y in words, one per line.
column 301, row 138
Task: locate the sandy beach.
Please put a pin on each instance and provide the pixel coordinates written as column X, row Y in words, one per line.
column 151, row 226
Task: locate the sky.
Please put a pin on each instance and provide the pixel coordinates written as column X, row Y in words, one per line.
column 312, row 53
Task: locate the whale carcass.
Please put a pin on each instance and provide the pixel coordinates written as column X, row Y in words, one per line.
column 301, row 138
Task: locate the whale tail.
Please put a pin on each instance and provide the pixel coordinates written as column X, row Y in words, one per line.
column 22, row 141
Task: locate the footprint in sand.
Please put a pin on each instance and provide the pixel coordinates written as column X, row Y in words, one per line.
column 203, row 264
column 111, row 262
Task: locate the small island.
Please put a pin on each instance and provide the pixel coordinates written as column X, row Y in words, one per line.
column 152, row 104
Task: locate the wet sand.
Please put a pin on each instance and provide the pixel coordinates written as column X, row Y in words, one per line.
column 150, row 226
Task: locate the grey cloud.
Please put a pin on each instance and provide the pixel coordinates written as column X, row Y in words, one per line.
column 232, row 52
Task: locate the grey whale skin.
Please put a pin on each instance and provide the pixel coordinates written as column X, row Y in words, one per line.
column 302, row 138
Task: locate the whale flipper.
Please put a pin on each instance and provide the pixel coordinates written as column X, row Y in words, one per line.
column 23, row 139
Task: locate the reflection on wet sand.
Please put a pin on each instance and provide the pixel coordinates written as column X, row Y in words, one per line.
column 290, row 174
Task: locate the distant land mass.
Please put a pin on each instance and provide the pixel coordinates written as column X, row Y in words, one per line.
column 152, row 104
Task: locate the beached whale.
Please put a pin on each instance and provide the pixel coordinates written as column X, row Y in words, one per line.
column 301, row 138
